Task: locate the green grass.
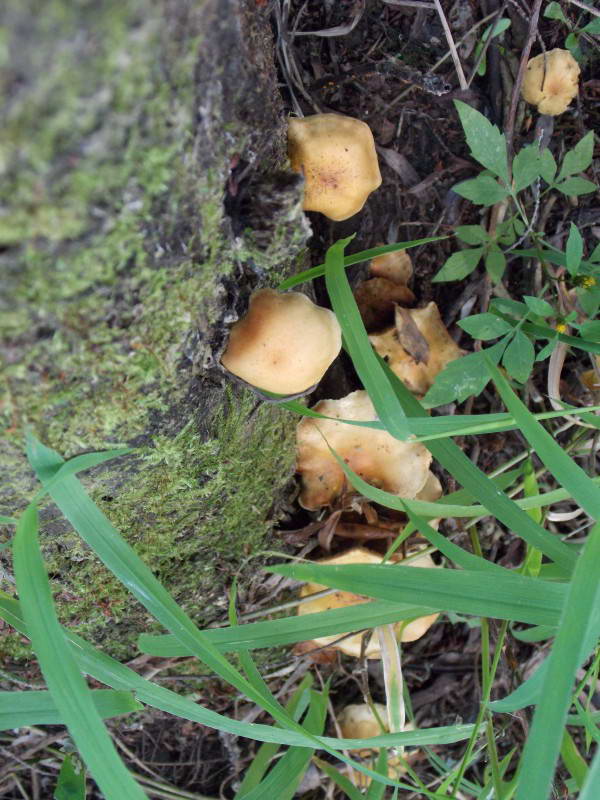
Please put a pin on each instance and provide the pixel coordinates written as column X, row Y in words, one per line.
column 562, row 597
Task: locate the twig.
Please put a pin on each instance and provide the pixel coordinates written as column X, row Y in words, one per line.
column 531, row 33
column 585, row 7
column 457, row 65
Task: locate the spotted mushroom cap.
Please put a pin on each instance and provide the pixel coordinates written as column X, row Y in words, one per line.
column 337, row 156
column 284, row 344
column 551, row 81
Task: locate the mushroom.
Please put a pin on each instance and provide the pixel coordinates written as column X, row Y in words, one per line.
column 337, row 157
column 418, row 347
column 396, row 267
column 284, row 344
column 551, row 81
column 351, row 645
column 376, row 299
column 398, row 467
column 358, row 721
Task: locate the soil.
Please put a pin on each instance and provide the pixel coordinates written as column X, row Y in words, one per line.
column 380, row 72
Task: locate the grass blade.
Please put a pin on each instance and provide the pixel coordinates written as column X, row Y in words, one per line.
column 581, row 617
column 112, row 673
column 38, row 707
column 377, row 379
column 356, row 258
column 509, row 596
column 70, row 692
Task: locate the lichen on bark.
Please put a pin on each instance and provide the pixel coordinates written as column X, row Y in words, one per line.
column 138, row 153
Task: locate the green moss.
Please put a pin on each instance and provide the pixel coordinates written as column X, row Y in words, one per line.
column 116, row 249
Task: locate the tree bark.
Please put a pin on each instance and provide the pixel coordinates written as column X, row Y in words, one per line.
column 143, row 196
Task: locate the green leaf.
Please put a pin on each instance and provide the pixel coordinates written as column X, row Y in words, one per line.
column 38, row 707
column 547, row 350
column 462, row 378
column 554, row 11
column 593, row 27
column 576, row 186
column 459, row 265
column 485, row 326
column 519, row 357
column 487, row 144
column 484, row 190
column 472, row 234
column 591, row 330
column 579, row 158
column 547, row 166
column 71, row 780
column 589, row 300
column 495, row 263
column 574, row 250
column 526, row 167
column 538, row 306
column 64, row 680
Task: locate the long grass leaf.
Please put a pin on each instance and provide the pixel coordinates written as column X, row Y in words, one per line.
column 38, row 707
column 356, row 258
column 377, row 379
column 507, row 596
column 288, row 630
column 112, row 673
column 581, row 617
column 63, row 677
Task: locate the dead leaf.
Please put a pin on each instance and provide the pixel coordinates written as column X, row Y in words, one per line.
column 410, row 337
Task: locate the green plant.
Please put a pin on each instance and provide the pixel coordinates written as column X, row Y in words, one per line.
column 577, row 31
column 518, row 189
column 559, row 597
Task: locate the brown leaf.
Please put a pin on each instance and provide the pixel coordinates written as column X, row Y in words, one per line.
column 410, row 337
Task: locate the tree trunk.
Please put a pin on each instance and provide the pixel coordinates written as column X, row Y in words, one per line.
column 143, row 196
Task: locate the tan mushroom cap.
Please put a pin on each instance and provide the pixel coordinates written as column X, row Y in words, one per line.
column 336, row 154
column 357, row 721
column 398, row 467
column 351, row 645
column 376, row 299
column 418, row 377
column 551, row 81
column 284, row 344
column 396, row 267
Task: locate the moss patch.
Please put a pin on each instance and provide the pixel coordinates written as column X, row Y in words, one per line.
column 121, row 271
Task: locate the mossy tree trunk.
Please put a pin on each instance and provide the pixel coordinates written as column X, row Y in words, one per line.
column 143, row 195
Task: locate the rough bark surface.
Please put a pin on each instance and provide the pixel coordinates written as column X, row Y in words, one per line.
column 143, row 195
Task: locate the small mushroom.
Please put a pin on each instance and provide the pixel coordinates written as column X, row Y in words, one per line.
column 400, row 349
column 396, row 267
column 398, row 467
column 336, row 154
column 351, row 645
column 284, row 344
column 376, row 299
column 358, row 721
column 551, row 81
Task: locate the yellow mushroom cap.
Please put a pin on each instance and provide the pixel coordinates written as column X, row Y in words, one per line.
column 284, row 344
column 418, row 376
column 551, row 81
column 351, row 645
column 396, row 267
column 337, row 157
column 398, row 467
